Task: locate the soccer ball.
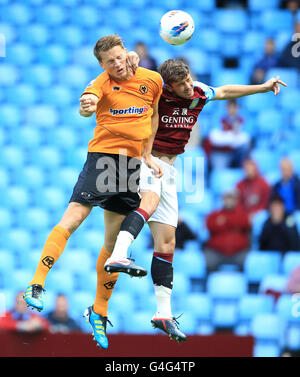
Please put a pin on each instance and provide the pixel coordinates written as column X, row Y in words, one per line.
column 176, row 27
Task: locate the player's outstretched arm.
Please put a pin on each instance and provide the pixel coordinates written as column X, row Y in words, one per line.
column 236, row 91
column 88, row 104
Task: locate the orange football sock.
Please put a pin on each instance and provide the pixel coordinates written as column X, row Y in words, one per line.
column 105, row 284
column 54, row 246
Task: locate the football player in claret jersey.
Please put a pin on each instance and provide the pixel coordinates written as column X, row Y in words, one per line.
column 180, row 104
column 126, row 106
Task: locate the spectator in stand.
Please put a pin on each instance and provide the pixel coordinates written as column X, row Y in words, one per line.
column 183, row 233
column 59, row 319
column 289, row 57
column 229, row 145
column 254, row 191
column 268, row 61
column 279, row 231
column 229, row 234
column 146, row 60
column 293, row 283
column 292, row 5
column 288, row 188
column 20, row 319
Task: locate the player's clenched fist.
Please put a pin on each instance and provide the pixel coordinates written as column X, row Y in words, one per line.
column 88, row 104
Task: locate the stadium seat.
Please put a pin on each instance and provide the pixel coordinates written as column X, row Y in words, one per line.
column 191, row 263
column 67, row 177
column 41, row 75
column 226, row 285
column 138, row 323
column 199, row 304
column 266, row 349
column 9, row 31
column 187, row 323
column 27, row 137
column 7, row 300
column 290, row 261
column 198, row 60
column 288, row 75
column 144, row 285
column 9, row 74
column 288, row 308
column 50, row 15
column 151, row 18
column 20, row 54
column 47, row 157
column 259, row 219
column 292, row 341
column 273, row 20
column 6, row 218
column 79, row 302
column 76, row 261
column 123, row 303
column 61, row 282
column 252, row 41
column 224, row 314
column 35, row 35
column 85, row 16
column 17, row 14
column 274, row 282
column 22, row 95
column 296, row 120
column 265, row 159
column 259, row 102
column 288, row 98
column 86, row 281
column 268, row 326
column 34, row 218
column 231, row 21
column 224, row 179
column 31, row 176
column 252, row 304
column 20, row 281
column 7, row 261
column 69, row 35
column 84, row 57
column 269, row 121
column 74, row 76
column 58, row 95
column 54, row 55
column 259, row 264
column 12, row 157
column 204, row 5
column 294, row 156
column 208, row 39
column 229, row 76
column 41, row 116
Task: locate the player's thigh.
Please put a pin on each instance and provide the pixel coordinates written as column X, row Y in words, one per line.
column 112, row 222
column 163, row 236
column 149, row 201
column 74, row 215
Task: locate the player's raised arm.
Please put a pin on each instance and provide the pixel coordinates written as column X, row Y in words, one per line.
column 88, row 104
column 235, row 91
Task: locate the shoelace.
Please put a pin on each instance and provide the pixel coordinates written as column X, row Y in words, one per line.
column 175, row 319
column 36, row 291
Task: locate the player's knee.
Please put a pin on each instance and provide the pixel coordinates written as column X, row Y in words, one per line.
column 167, row 246
column 73, row 217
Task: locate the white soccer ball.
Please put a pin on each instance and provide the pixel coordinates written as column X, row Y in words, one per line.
column 176, row 27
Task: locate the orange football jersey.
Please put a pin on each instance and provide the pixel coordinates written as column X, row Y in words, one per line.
column 124, row 111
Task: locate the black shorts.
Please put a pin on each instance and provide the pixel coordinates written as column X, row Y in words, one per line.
column 110, row 181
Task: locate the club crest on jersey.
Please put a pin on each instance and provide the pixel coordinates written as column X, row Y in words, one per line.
column 150, row 180
column 194, row 103
column 91, row 83
column 129, row 111
column 143, row 89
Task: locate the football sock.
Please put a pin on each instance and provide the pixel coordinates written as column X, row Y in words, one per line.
column 130, row 228
column 105, row 284
column 54, row 246
column 162, row 276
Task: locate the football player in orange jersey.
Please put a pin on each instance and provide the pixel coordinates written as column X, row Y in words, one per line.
column 125, row 102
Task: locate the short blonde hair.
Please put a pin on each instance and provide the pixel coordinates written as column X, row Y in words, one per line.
column 106, row 43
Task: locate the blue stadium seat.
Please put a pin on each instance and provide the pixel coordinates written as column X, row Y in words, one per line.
column 74, row 76
column 41, row 116
column 296, row 120
column 7, row 300
column 275, row 282
column 125, row 19
column 181, row 284
column 282, row 38
column 12, row 157
column 151, row 18
column 79, row 302
column 224, row 314
column 76, row 261
column 229, row 76
column 231, row 21
column 266, row 349
column 204, row 5
column 4, row 178
column 272, row 176
column 7, row 261
column 10, row 115
column 35, row 35
column 17, row 197
column 9, row 31
column 160, row 54
column 269, row 121
column 17, row 14
column 198, row 60
column 47, row 157
column 123, row 303
column 84, row 57
column 144, row 285
column 294, row 155
column 226, row 285
column 20, row 54
column 224, row 179
column 288, row 98
column 191, row 263
column 259, row 264
column 258, row 6
column 187, row 323
column 50, row 14
column 9, row 74
column 41, row 75
column 67, row 178
column 138, row 323
column 87, row 281
column 6, row 218
column 257, row 224
column 60, row 282
column 22, row 95
column 208, row 39
column 85, row 16
column 57, row 95
column 266, row 160
column 274, row 20
column 200, row 305
column 290, row 261
column 288, row 308
column 71, row 114
column 260, row 102
column 268, row 326
column 35, row 219
column 252, row 304
column 293, row 338
column 54, row 55
column 27, row 137
column 253, row 41
column 69, row 36
column 31, row 176
column 288, row 75
column 20, row 281
column 90, row 239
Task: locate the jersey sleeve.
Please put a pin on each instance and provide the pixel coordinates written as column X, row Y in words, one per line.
column 209, row 91
column 94, row 87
